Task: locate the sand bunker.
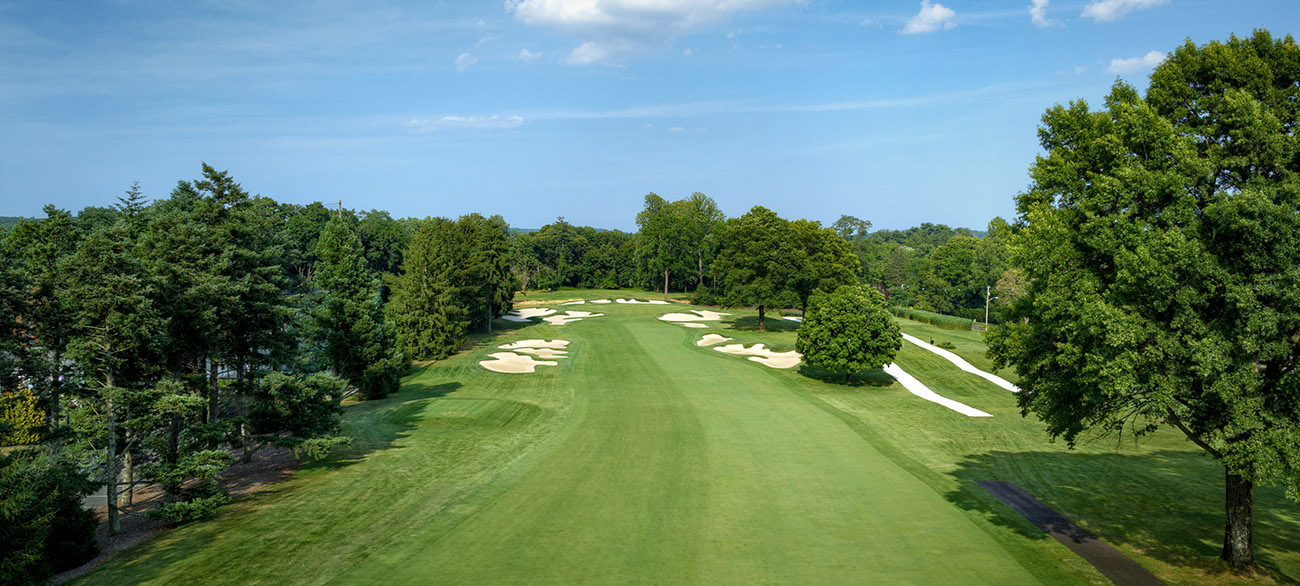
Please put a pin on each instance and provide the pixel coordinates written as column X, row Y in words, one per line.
column 511, row 363
column 651, row 302
column 962, row 364
column 758, row 353
column 569, row 316
column 792, row 318
column 919, row 389
column 711, row 339
column 526, row 314
column 692, row 325
column 535, row 344
column 518, row 362
column 695, row 315
column 600, row 301
column 544, row 352
column 578, row 302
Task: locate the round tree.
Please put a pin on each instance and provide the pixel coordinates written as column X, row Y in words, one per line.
column 850, row 330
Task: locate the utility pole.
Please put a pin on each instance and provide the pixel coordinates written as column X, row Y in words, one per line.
column 340, row 209
column 986, row 308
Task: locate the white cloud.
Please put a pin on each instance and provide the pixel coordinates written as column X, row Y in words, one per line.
column 1108, row 10
column 687, row 52
column 526, row 55
column 676, row 130
column 609, row 29
column 493, row 121
column 465, row 61
column 1038, row 12
column 589, row 53
column 483, row 41
column 932, row 17
column 1135, row 64
column 867, row 22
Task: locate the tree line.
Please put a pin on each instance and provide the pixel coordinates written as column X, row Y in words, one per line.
column 160, row 342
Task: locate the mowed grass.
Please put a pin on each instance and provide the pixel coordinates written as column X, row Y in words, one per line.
column 643, row 458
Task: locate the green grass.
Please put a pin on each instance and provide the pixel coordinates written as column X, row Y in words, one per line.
column 644, row 458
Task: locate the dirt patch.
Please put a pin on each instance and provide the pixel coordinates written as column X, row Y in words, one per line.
column 268, row 466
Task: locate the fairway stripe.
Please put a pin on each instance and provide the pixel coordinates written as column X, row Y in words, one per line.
column 919, row 389
column 962, row 364
column 1113, row 564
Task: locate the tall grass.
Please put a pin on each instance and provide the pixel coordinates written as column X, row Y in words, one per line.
column 947, row 322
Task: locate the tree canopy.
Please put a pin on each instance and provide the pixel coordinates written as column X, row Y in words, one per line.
column 849, row 330
column 1159, row 244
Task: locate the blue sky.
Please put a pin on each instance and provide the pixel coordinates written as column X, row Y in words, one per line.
column 897, row 112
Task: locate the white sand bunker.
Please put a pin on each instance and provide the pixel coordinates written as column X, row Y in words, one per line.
column 569, row 316
column 519, row 361
column 544, row 352
column 962, row 364
column 578, row 302
column 557, row 344
column 511, row 363
column 792, row 318
column 758, row 353
column 600, row 301
column 692, row 325
column 711, row 339
column 651, row 302
column 526, row 314
column 695, row 315
column 919, row 389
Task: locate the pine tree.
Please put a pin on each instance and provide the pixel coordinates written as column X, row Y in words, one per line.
column 349, row 321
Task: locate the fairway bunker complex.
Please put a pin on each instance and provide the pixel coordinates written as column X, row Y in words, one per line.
column 762, row 355
column 520, row 360
column 637, row 301
column 569, row 316
column 695, row 315
column 527, row 314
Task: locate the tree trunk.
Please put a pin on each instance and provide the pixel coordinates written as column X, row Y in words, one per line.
column 847, row 376
column 110, row 465
column 1238, row 546
column 665, row 284
column 173, row 453
column 212, row 391
column 129, row 471
column 699, row 281
column 489, row 316
column 762, row 319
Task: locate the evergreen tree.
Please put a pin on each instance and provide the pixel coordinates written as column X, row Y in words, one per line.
column 425, row 308
column 350, row 320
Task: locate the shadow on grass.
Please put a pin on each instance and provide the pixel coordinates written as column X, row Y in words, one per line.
column 377, row 425
column 1166, row 504
column 870, row 378
column 749, row 323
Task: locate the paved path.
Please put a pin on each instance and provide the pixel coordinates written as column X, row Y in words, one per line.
column 1121, row 569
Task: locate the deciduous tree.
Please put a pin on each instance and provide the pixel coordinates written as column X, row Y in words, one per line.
column 849, row 330
column 1159, row 243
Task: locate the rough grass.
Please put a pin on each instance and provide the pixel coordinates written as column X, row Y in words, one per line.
column 949, row 322
column 644, row 458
